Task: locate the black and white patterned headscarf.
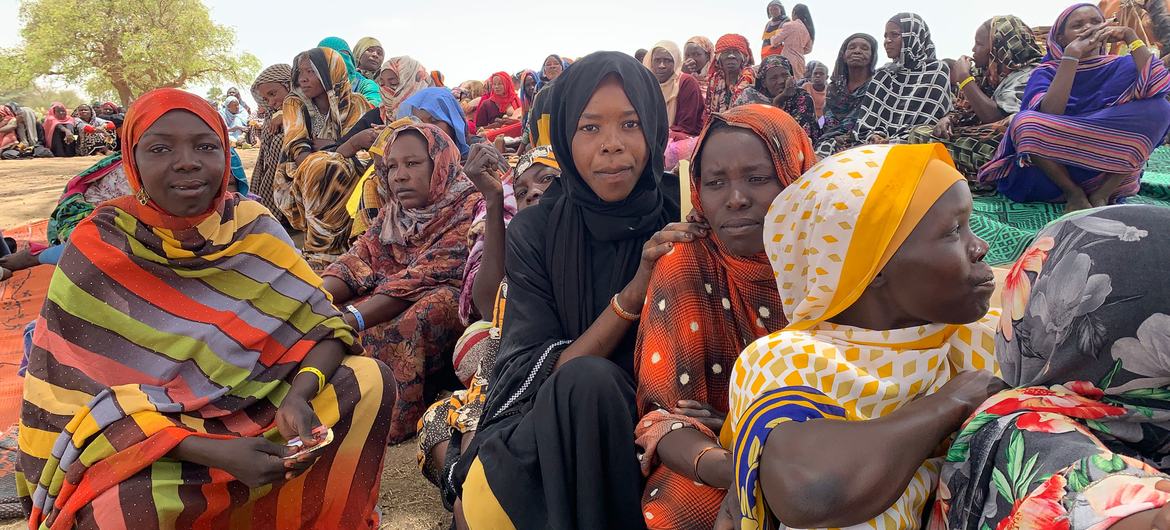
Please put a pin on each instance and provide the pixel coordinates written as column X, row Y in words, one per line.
column 913, row 91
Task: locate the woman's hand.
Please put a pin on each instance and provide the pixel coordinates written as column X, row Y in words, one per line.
column 358, row 142
column 971, row 389
column 701, row 412
column 1088, row 43
column 784, row 95
column 254, row 461
column 961, row 70
column 295, row 418
column 660, row 244
column 274, row 123
column 728, row 518
column 943, row 129
column 877, row 139
column 485, row 169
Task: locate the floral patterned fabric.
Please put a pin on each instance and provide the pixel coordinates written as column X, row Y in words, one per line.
column 1081, row 441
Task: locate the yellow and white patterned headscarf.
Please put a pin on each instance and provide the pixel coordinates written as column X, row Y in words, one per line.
column 828, row 236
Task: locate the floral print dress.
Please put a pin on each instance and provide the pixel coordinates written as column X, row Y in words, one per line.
column 1085, row 338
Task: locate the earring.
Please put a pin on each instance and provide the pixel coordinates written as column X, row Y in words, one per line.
column 142, row 197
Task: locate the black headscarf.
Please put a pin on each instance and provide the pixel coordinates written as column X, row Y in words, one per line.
column 574, row 250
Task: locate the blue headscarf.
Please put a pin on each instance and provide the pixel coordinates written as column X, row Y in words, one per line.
column 541, row 81
column 439, row 102
column 239, row 175
column 357, row 81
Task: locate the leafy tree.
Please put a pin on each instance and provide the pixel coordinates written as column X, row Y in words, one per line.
column 215, row 93
column 39, row 97
column 139, row 45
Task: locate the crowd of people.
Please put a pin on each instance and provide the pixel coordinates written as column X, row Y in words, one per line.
column 680, row 290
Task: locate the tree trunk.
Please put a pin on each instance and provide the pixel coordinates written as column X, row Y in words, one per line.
column 124, row 92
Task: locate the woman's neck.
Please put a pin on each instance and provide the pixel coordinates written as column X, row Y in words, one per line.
column 322, row 103
column 858, row 75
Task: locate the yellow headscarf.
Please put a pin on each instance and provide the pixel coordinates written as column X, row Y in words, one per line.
column 670, row 87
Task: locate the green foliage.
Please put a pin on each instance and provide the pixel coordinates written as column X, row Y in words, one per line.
column 39, row 98
column 124, row 47
column 215, row 93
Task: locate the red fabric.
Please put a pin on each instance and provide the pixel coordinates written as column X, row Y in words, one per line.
column 142, row 114
column 692, row 108
column 51, row 123
column 509, row 99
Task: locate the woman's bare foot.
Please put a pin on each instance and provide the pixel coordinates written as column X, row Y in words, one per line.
column 19, row 261
column 1076, row 201
column 1101, row 196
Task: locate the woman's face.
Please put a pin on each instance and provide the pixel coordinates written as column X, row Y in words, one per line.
column 427, row 117
column 531, row 184
column 609, row 147
column 981, row 52
column 776, row 80
column 737, row 185
column 498, row 86
column 85, row 112
column 530, row 86
column 773, row 11
column 408, row 170
column 552, row 68
column 695, row 52
column 273, row 94
column 308, row 81
column 662, row 64
column 371, row 59
column 181, row 162
column 858, row 53
column 893, row 40
column 938, row 274
column 1078, row 21
column 60, row 113
column 234, row 107
column 732, row 63
column 388, row 79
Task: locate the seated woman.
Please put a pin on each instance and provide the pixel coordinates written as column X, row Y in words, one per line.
column 312, row 185
column 95, row 136
column 449, row 424
column 499, row 110
column 913, row 90
column 731, row 74
column 1090, row 121
column 400, row 78
column 885, row 291
column 855, row 66
column 776, row 86
column 685, row 109
column 747, row 155
column 8, row 125
column 143, row 379
column 60, row 136
column 358, row 83
column 699, row 57
column 237, row 121
column 469, row 93
column 400, row 282
column 553, row 448
column 1006, row 52
column 1087, row 413
column 270, row 90
column 368, row 54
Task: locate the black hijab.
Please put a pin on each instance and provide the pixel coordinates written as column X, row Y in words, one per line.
column 571, row 253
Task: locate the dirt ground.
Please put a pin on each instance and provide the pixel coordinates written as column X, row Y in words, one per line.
column 28, row 191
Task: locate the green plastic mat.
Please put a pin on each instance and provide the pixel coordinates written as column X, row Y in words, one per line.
column 1009, row 227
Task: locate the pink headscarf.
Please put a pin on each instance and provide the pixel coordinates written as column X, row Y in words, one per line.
column 51, row 122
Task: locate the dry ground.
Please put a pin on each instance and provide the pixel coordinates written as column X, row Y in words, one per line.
column 28, row 191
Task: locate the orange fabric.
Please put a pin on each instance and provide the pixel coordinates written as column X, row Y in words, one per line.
column 21, row 298
column 703, row 307
column 142, row 114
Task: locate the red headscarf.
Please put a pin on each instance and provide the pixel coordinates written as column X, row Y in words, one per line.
column 718, row 87
column 51, row 122
column 509, row 99
column 142, row 114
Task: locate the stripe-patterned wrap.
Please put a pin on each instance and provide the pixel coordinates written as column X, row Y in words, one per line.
column 151, row 334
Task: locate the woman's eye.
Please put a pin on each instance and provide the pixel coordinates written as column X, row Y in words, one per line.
column 588, row 128
column 520, row 194
column 159, row 149
column 632, row 124
column 547, row 178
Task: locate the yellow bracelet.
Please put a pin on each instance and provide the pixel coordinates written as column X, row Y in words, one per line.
column 965, row 82
column 316, row 372
column 1137, row 43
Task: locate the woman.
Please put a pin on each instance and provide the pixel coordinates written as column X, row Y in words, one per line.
column 368, row 53
column 1090, row 121
column 776, row 18
column 399, row 283
column 95, row 136
column 745, row 157
column 236, row 119
column 913, row 90
column 449, row 424
column 732, row 73
column 817, row 84
column 60, row 136
column 400, row 78
column 528, row 80
column 8, row 126
column 776, row 86
column 114, row 434
column 270, row 90
column 685, row 109
column 553, row 446
column 1088, row 411
column 1006, row 50
column 499, row 110
column 552, row 68
column 438, row 107
column 885, row 291
column 314, row 182
column 700, row 56
column 358, row 83
column 795, row 38
column 851, row 75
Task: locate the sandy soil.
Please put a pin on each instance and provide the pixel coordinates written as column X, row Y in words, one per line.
column 28, row 191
